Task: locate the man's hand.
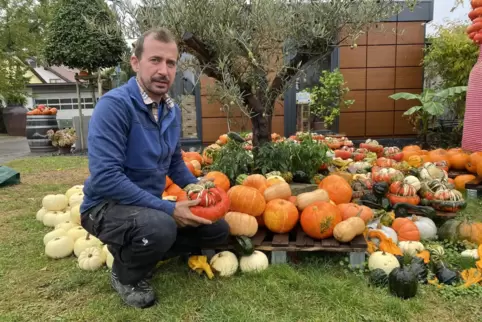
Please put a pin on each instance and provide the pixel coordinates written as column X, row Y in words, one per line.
column 184, row 217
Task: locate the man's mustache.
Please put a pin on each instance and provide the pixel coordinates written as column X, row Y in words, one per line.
column 160, row 79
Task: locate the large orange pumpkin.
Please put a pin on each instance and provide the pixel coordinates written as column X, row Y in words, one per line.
column 256, row 181
column 461, row 180
column 168, row 182
column 338, row 189
column 406, row 229
column 319, row 219
column 352, row 210
column 220, row 179
column 411, row 148
column 247, row 200
column 474, row 160
column 280, row 216
column 458, row 160
column 439, row 155
column 193, row 156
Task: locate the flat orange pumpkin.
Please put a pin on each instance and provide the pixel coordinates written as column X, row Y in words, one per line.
column 280, row 216
column 319, row 219
column 353, row 210
column 338, row 189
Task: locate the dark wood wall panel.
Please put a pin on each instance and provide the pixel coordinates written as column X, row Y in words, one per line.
column 388, row 60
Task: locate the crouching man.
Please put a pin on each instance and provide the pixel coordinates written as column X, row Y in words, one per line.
column 133, row 143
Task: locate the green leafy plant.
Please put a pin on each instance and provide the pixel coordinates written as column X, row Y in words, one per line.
column 273, row 157
column 62, row 138
column 308, row 156
column 442, row 63
column 432, row 105
column 232, row 160
column 327, row 98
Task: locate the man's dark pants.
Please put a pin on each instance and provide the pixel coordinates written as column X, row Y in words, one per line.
column 139, row 238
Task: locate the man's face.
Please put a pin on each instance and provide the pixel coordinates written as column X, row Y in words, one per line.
column 156, row 69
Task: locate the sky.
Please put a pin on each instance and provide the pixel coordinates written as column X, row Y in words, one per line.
column 442, row 12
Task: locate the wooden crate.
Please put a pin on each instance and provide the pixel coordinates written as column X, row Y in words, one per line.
column 298, row 241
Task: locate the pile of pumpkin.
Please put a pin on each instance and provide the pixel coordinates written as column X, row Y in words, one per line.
column 62, row 213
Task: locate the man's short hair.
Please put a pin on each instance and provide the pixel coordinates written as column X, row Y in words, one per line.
column 160, row 34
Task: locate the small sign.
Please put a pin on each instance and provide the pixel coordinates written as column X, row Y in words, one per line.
column 303, row 98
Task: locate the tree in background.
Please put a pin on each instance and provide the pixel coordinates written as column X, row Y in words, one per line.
column 84, row 34
column 448, row 61
column 255, row 49
column 22, row 26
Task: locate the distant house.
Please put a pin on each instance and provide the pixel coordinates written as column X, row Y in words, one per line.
column 55, row 86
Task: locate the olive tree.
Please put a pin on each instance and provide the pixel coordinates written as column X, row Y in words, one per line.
column 77, row 36
column 256, row 49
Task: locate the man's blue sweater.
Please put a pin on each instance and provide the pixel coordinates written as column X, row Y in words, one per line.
column 130, row 153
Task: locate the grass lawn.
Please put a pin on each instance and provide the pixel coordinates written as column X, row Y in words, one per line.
column 35, row 288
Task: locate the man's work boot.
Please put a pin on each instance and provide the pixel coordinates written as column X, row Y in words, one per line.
column 140, row 295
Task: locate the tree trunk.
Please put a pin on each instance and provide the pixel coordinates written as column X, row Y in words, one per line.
column 261, row 117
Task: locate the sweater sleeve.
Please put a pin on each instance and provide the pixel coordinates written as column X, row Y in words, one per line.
column 107, row 142
column 178, row 171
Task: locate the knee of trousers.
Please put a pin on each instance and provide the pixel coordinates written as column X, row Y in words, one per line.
column 219, row 232
column 155, row 230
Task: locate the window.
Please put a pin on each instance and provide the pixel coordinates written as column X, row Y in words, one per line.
column 65, row 103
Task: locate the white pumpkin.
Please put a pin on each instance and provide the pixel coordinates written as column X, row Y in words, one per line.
column 56, row 202
column 59, row 247
column 62, row 217
column 256, row 262
column 75, row 214
column 66, row 225
column 77, row 232
column 473, row 253
column 411, row 248
column 413, row 181
column 40, row 214
column 430, row 171
column 384, row 261
column 225, row 263
column 91, row 258
column 52, row 218
column 109, row 258
column 54, row 234
column 86, row 242
column 426, row 226
column 73, row 190
column 76, row 199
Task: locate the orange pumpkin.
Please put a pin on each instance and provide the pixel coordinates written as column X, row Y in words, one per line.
column 416, row 161
column 292, row 199
column 407, row 154
column 479, row 169
column 352, row 209
column 461, row 180
column 439, row 155
column 168, row 182
column 338, row 189
column 256, row 181
column 411, row 148
column 274, row 180
column 190, row 166
column 474, row 160
column 173, row 190
column 471, row 231
column 193, row 156
column 220, row 179
column 406, row 229
column 458, row 160
column 280, row 216
column 247, row 200
column 319, row 219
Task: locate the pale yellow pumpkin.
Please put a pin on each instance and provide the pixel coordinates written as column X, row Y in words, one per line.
column 85, row 242
column 241, row 224
column 59, row 247
column 73, row 190
column 54, row 234
column 77, row 232
column 278, row 191
column 225, row 263
column 303, row 200
column 57, row 202
column 91, row 258
column 76, row 199
column 66, row 225
column 75, row 214
column 53, row 218
column 256, row 262
column 40, row 214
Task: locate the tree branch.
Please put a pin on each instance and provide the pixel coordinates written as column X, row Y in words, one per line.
column 197, row 48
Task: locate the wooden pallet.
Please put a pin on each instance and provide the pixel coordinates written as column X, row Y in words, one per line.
column 298, row 241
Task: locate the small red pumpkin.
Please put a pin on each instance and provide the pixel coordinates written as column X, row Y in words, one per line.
column 214, row 202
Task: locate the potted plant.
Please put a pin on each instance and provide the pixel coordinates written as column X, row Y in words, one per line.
column 14, row 114
column 63, row 139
